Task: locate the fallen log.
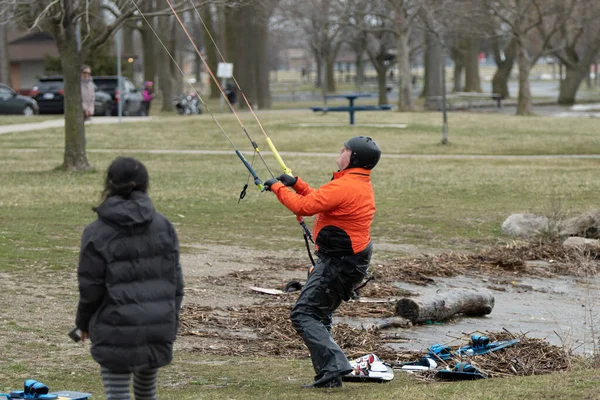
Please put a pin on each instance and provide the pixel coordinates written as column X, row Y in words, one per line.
column 470, row 302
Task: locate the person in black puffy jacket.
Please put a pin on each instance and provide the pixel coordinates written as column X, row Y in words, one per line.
column 130, row 284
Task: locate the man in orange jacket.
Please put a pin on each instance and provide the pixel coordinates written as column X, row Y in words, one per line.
column 344, row 207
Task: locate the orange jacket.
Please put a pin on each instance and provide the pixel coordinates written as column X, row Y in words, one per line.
column 345, row 208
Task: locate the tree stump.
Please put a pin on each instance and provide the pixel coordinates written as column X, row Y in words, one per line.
column 471, row 302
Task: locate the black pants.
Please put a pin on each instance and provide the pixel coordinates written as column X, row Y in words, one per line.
column 331, row 281
column 146, row 108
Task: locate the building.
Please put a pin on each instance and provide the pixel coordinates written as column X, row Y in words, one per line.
column 26, row 54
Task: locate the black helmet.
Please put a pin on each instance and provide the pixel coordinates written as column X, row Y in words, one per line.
column 365, row 152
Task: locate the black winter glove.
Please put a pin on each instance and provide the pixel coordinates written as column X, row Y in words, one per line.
column 267, row 184
column 287, row 180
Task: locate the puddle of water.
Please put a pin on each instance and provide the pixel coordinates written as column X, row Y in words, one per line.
column 551, row 309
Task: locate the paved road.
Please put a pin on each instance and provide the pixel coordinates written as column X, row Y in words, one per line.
column 57, row 123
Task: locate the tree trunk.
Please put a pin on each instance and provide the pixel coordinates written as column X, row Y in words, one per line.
column 4, row 64
column 434, row 68
column 404, row 75
column 261, row 65
column 127, row 32
column 149, row 44
column 570, row 85
column 231, row 31
column 177, row 37
column 330, row 66
column 505, row 66
column 458, row 70
column 472, row 79
column 319, row 61
column 164, row 66
column 199, row 39
column 577, row 69
column 471, row 302
column 457, row 53
column 360, row 70
column 525, row 101
column 211, row 52
column 246, row 48
column 75, row 157
column 381, row 84
column 459, row 66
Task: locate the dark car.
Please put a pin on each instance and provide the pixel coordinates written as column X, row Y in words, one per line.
column 49, row 94
column 130, row 97
column 13, row 103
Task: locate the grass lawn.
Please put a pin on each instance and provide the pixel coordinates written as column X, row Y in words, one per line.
column 450, row 202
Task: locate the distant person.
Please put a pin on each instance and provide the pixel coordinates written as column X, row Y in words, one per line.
column 130, row 284
column 87, row 92
column 230, row 93
column 148, row 94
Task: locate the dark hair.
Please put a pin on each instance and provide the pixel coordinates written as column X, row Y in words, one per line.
column 123, row 176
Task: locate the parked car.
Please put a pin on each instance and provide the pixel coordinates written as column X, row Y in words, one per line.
column 49, row 93
column 130, row 97
column 13, row 103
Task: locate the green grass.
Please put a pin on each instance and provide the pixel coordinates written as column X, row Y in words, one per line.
column 444, row 203
column 474, row 134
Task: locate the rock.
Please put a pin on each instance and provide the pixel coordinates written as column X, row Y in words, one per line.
column 524, row 225
column 575, row 242
column 586, row 225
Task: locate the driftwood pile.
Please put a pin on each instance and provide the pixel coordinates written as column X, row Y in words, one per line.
column 510, row 258
column 267, row 331
column 530, row 356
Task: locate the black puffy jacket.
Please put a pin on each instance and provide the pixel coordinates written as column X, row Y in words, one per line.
column 130, row 285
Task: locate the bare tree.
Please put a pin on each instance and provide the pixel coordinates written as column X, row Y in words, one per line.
column 4, row 66
column 61, row 19
column 166, row 25
column 533, row 24
column 580, row 37
column 404, row 14
column 323, row 23
column 372, row 22
column 208, row 16
column 149, row 42
column 505, row 60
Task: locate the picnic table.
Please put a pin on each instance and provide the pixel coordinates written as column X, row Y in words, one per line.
column 351, row 108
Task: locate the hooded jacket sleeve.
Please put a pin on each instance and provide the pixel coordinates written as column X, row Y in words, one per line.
column 315, row 201
column 178, row 272
column 90, row 274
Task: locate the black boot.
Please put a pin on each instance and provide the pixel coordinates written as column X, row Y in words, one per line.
column 328, row 380
column 325, row 382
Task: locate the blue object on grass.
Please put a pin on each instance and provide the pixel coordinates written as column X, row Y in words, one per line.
column 481, row 345
column 461, row 372
column 440, row 352
column 66, row 394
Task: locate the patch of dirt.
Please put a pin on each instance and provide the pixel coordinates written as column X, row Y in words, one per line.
column 540, row 289
column 247, row 322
